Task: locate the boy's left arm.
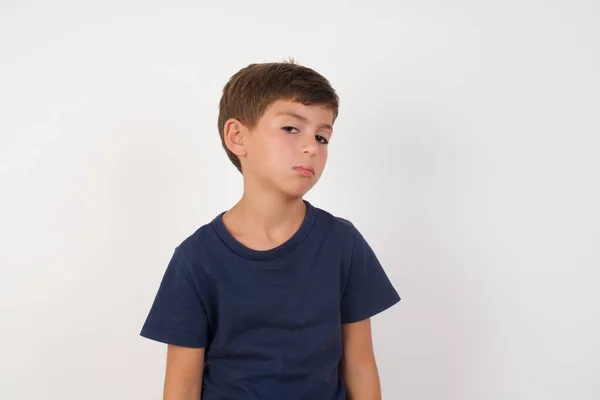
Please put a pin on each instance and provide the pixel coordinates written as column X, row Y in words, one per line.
column 359, row 367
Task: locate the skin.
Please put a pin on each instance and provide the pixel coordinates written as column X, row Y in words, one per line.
column 287, row 136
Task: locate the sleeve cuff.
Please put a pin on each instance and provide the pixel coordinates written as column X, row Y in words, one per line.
column 371, row 311
column 175, row 339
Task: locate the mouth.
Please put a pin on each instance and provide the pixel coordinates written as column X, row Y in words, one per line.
column 305, row 171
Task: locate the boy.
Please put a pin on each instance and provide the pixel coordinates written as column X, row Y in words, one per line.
column 272, row 299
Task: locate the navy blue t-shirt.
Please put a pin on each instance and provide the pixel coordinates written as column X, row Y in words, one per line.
column 270, row 321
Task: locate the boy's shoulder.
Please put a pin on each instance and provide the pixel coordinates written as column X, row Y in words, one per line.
column 335, row 223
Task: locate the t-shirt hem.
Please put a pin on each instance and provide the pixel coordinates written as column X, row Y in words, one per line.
column 169, row 338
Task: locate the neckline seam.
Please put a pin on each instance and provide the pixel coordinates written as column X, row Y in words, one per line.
column 266, row 255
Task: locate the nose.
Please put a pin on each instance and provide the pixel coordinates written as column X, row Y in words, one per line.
column 310, row 146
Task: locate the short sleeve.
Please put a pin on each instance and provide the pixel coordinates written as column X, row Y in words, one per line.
column 177, row 315
column 367, row 290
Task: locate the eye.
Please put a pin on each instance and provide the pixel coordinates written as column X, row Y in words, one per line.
column 289, row 129
column 321, row 139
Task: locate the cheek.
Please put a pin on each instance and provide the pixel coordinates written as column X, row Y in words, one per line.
column 276, row 152
column 280, row 147
column 323, row 155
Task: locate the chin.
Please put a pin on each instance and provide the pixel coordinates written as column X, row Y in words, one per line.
column 294, row 194
column 291, row 188
column 297, row 191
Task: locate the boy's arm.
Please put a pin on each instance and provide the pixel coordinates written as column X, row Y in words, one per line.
column 183, row 378
column 358, row 364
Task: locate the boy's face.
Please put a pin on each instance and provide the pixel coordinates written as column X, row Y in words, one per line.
column 287, row 149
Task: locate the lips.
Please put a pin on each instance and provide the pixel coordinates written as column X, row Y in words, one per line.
column 305, row 170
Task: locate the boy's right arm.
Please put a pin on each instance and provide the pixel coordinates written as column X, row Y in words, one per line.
column 183, row 377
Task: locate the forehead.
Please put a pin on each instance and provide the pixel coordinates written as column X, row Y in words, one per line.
column 317, row 114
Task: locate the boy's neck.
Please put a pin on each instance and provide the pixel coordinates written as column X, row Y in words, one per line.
column 268, row 212
column 263, row 220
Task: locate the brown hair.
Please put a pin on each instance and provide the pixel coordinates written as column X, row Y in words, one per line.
column 249, row 92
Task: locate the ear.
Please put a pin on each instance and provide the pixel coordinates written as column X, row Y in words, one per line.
column 234, row 132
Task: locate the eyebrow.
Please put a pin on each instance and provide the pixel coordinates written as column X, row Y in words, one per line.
column 303, row 119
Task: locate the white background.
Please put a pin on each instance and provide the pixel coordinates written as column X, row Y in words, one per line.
column 466, row 151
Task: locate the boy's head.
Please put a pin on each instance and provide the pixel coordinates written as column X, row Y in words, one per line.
column 275, row 120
